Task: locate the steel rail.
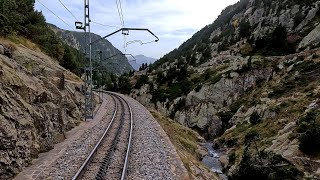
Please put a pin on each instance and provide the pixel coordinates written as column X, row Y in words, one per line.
column 81, row 170
column 93, row 152
column 126, row 162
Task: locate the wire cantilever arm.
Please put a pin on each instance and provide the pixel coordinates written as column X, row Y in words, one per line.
column 126, row 29
column 138, row 41
column 134, row 59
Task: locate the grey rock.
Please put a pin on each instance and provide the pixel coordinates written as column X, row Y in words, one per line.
column 312, row 39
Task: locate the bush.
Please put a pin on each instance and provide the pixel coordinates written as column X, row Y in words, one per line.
column 225, row 118
column 244, row 29
column 255, row 118
column 275, row 43
column 268, row 167
column 198, row 87
column 251, row 136
column 309, row 133
column 232, row 157
column 18, row 18
column 143, row 79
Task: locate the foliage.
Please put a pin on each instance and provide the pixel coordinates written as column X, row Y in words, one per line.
column 246, row 49
column 143, row 79
column 19, row 18
column 309, row 71
column 225, row 119
column 251, row 136
column 244, row 29
column 143, row 66
column 114, row 83
column 255, row 118
column 309, row 130
column 232, row 157
column 268, row 166
column 275, row 43
column 180, row 105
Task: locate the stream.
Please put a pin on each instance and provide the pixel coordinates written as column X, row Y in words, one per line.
column 212, row 161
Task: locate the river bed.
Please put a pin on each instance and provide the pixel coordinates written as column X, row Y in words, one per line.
column 212, row 160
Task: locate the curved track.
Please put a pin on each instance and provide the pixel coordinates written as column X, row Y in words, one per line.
column 110, row 156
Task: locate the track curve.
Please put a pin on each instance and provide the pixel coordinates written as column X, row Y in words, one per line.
column 110, row 156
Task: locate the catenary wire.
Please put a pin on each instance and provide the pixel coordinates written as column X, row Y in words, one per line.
column 105, row 25
column 68, row 10
column 119, row 13
column 55, row 14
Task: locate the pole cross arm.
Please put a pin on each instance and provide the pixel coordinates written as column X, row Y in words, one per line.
column 127, row 32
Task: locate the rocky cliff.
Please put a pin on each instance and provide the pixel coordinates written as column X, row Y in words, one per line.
column 39, row 100
column 246, row 80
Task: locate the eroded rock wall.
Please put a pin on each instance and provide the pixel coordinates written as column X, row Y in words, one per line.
column 34, row 112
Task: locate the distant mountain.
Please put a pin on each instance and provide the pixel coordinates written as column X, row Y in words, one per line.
column 140, row 59
column 135, row 65
column 118, row 64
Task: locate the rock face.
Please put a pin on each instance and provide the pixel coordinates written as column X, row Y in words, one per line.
column 312, row 39
column 34, row 112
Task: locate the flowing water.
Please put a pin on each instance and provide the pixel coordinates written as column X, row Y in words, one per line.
column 212, row 160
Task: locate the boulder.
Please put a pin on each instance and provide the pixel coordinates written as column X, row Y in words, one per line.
column 1, row 49
column 312, row 39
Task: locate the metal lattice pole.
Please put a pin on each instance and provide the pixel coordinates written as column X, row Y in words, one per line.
column 88, row 70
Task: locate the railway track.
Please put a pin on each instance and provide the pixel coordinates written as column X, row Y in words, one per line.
column 110, row 157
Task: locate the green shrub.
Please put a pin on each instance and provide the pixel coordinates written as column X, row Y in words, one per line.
column 143, row 79
column 231, row 142
column 232, row 157
column 268, row 166
column 251, row 136
column 215, row 78
column 244, row 29
column 309, row 133
column 255, row 118
column 198, row 87
column 275, row 43
column 234, row 107
column 225, row 119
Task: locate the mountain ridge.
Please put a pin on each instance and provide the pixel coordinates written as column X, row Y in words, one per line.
column 118, row 64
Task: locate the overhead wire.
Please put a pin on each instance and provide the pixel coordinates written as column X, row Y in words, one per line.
column 105, row 24
column 55, row 15
column 124, row 36
column 120, row 13
column 68, row 10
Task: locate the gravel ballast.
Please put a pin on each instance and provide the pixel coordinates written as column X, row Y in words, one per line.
column 153, row 156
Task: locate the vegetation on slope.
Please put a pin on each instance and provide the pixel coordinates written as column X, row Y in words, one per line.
column 186, row 142
column 19, row 20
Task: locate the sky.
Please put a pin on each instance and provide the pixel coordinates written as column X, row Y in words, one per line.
column 173, row 21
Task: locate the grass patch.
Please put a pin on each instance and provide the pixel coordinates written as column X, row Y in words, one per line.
column 186, row 142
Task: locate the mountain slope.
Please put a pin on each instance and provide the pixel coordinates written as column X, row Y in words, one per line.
column 249, row 81
column 118, row 64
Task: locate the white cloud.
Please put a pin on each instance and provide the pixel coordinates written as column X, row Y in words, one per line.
column 171, row 20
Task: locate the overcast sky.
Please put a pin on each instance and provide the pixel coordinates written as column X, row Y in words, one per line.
column 173, row 21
